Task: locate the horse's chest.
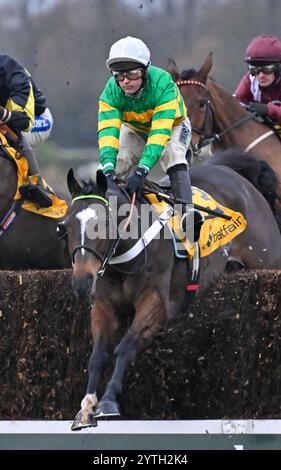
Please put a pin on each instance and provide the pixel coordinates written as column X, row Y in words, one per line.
column 124, row 292
column 130, row 291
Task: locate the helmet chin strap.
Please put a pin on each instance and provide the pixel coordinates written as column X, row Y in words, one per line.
column 140, row 90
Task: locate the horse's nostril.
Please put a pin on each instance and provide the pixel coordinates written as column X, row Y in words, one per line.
column 83, row 286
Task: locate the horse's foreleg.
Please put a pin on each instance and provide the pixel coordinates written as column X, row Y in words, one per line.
column 150, row 316
column 103, row 326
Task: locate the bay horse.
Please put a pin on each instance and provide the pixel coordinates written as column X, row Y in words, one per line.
column 148, row 285
column 218, row 117
column 31, row 241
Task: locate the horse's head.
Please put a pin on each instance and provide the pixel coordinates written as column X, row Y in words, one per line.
column 90, row 230
column 194, row 91
column 216, row 115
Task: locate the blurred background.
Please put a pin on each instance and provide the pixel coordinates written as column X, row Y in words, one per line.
column 64, row 44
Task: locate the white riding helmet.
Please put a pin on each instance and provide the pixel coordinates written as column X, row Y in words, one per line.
column 129, row 49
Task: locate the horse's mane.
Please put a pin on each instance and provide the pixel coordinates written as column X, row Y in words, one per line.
column 188, row 73
column 91, row 187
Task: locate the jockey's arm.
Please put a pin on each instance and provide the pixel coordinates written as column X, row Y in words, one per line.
column 163, row 118
column 16, row 120
column 19, row 109
column 243, row 91
column 274, row 111
column 109, row 124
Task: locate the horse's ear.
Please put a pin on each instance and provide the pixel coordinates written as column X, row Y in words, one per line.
column 72, row 184
column 101, row 181
column 206, row 67
column 172, row 69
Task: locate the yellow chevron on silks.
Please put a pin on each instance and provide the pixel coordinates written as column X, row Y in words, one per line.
column 58, row 208
column 215, row 231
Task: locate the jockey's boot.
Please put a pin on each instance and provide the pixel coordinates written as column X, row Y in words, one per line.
column 33, row 190
column 192, row 219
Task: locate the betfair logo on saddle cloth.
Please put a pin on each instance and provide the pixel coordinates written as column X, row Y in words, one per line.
column 58, row 208
column 215, row 231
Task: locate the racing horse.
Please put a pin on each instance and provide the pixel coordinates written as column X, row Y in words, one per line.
column 148, row 283
column 27, row 240
column 218, row 118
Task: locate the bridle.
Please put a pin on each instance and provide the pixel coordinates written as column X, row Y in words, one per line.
column 205, row 139
column 111, row 249
column 104, row 258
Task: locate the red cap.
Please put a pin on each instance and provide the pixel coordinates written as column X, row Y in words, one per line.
column 264, row 48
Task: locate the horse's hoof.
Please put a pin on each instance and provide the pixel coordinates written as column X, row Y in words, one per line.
column 81, row 422
column 106, row 409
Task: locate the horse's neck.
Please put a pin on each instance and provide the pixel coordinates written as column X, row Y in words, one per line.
column 8, row 184
column 227, row 112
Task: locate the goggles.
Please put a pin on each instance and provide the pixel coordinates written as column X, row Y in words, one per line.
column 130, row 74
column 266, row 69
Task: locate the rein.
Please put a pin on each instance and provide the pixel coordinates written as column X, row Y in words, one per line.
column 7, row 131
column 109, row 258
column 150, row 234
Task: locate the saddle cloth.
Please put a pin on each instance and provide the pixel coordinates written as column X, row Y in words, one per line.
column 58, row 208
column 215, row 231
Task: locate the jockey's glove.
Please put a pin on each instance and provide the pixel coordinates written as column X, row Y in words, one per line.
column 258, row 108
column 110, row 178
column 135, row 182
column 17, row 120
column 5, row 115
column 109, row 174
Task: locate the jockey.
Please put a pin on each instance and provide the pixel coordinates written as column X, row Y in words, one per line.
column 23, row 109
column 143, row 119
column 260, row 88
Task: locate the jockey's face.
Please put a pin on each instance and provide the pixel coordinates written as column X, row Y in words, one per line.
column 130, row 81
column 130, row 87
column 264, row 72
column 265, row 79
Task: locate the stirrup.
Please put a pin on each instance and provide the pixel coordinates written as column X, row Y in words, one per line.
column 35, row 193
column 195, row 224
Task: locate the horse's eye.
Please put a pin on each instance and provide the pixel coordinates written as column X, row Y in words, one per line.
column 202, row 104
